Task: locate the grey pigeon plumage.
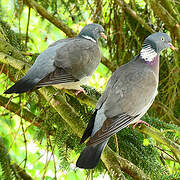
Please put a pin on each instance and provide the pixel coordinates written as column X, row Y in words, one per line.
column 129, row 93
column 67, row 63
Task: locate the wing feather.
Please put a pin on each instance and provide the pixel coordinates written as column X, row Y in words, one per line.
column 110, row 127
column 56, row 77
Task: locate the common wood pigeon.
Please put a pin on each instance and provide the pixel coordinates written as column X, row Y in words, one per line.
column 130, row 92
column 67, row 63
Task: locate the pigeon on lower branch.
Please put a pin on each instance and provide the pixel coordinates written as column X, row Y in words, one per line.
column 67, row 63
column 130, row 92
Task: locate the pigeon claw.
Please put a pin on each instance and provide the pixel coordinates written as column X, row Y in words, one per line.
column 140, row 122
column 80, row 91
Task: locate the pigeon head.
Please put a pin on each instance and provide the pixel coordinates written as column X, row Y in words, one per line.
column 92, row 32
column 158, row 41
column 154, row 44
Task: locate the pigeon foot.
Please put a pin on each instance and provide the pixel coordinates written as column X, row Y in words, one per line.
column 80, row 91
column 139, row 122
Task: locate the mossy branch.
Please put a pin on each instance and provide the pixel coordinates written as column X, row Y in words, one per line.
column 16, row 63
column 64, row 109
column 83, row 98
column 159, row 136
column 119, row 164
column 10, row 50
column 112, row 164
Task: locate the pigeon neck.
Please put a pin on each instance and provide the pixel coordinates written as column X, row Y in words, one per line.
column 154, row 65
column 89, row 38
column 147, row 53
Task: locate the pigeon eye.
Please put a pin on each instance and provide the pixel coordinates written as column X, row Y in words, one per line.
column 162, row 39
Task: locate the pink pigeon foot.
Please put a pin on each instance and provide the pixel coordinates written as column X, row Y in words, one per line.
column 80, row 91
column 139, row 122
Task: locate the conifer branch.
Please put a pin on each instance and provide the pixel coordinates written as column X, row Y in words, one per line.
column 159, row 136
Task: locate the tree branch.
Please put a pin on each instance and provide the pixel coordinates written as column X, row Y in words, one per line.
column 64, row 109
column 112, row 164
column 110, row 65
column 22, row 173
column 43, row 12
column 112, row 159
column 134, row 15
column 83, row 98
column 10, row 50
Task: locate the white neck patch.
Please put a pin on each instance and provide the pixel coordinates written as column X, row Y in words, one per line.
column 89, row 38
column 148, row 53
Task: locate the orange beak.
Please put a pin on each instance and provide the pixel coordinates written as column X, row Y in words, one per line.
column 103, row 35
column 171, row 46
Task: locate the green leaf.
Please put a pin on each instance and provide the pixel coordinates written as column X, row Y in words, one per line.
column 146, row 142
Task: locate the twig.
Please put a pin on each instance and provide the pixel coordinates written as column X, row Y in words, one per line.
column 2, row 68
column 98, row 11
column 27, row 28
column 110, row 65
column 6, row 106
column 24, row 135
column 47, row 161
column 54, row 162
column 168, row 112
column 165, row 153
column 20, row 2
column 116, row 143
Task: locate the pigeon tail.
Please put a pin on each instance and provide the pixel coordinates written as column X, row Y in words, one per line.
column 90, row 156
column 23, row 85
